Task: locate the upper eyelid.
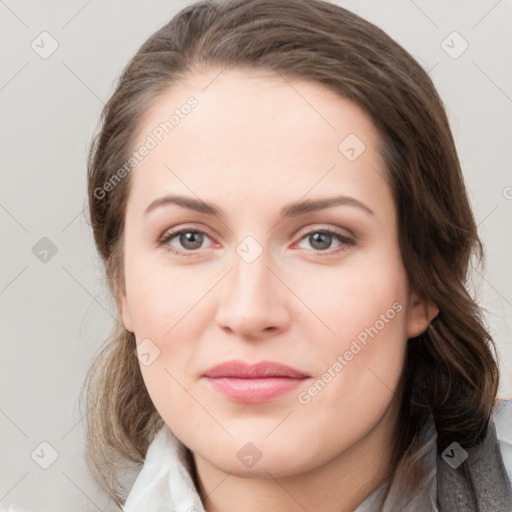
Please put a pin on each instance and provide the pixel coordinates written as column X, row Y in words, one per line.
column 180, row 230
column 318, row 226
column 336, row 230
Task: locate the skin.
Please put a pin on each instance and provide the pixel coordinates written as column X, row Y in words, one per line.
column 255, row 143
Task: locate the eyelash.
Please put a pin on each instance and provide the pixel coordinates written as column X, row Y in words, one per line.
column 169, row 235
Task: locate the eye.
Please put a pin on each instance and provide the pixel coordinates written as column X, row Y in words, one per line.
column 322, row 239
column 189, row 239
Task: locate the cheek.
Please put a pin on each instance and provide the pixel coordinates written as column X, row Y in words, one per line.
column 351, row 299
column 167, row 312
column 365, row 358
column 159, row 295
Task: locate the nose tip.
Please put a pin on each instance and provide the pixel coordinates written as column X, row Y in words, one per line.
column 249, row 327
column 251, row 304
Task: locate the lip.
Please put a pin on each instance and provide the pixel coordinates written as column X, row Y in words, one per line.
column 253, row 383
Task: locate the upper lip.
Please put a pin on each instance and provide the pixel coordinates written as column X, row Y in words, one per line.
column 263, row 369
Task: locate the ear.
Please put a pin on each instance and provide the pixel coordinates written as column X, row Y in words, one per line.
column 421, row 313
column 125, row 311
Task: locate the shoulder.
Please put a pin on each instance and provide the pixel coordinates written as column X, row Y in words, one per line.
column 503, row 422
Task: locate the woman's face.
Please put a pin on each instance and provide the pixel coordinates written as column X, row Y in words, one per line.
column 295, row 261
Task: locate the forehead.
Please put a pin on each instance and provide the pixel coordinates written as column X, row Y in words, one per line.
column 251, row 131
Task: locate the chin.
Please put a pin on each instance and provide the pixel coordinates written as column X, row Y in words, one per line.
column 259, row 457
column 275, row 466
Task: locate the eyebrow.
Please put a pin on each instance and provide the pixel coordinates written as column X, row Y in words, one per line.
column 291, row 210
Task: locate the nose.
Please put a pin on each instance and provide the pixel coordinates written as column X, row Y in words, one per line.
column 253, row 301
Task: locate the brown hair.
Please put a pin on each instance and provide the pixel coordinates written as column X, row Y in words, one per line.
column 450, row 370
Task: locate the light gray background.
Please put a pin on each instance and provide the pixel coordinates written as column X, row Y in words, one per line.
column 55, row 314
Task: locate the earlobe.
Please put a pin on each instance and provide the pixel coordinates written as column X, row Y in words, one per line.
column 421, row 313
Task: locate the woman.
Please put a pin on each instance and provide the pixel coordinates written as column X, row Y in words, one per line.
column 279, row 204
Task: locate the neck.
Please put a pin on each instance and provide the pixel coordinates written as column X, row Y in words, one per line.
column 342, row 484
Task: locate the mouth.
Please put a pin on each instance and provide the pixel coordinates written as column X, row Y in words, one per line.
column 256, row 383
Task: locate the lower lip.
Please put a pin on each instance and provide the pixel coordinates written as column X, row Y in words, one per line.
column 253, row 390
